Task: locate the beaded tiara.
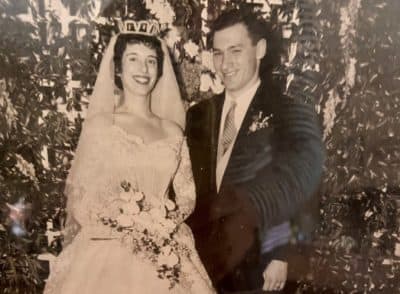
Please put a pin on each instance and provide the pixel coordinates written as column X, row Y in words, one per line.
column 142, row 27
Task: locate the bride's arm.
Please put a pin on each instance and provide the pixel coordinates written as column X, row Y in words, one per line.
column 184, row 188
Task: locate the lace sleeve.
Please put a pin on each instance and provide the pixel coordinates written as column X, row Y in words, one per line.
column 183, row 185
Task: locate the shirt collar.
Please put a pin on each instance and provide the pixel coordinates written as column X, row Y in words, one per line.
column 242, row 103
column 245, row 97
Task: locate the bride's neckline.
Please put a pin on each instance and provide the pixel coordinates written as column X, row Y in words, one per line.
column 140, row 140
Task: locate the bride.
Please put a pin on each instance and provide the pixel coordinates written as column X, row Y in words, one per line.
column 124, row 234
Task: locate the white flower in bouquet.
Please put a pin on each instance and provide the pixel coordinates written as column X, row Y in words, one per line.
column 172, row 260
column 169, row 225
column 137, row 195
column 158, row 213
column 124, row 220
column 169, row 260
column 131, row 208
column 166, row 250
column 126, row 196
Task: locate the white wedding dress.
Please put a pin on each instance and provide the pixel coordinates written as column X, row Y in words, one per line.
column 130, row 237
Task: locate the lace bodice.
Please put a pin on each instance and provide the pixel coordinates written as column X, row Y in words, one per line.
column 109, row 157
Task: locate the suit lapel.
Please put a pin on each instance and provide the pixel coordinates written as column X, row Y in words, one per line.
column 215, row 115
column 260, row 102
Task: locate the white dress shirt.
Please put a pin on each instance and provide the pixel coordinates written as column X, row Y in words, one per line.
column 242, row 104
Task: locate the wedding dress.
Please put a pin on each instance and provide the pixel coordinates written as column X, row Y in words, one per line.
column 130, row 235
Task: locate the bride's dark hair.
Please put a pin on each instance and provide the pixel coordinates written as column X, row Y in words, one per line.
column 123, row 40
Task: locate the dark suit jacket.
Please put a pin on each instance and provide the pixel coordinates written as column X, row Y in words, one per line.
column 272, row 172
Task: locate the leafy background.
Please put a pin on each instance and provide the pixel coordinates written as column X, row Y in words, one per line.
column 341, row 56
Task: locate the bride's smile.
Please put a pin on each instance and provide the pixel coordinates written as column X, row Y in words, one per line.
column 144, row 80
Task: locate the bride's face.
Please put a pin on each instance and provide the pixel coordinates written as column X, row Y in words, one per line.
column 139, row 69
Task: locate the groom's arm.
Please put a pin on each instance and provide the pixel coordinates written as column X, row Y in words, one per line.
column 277, row 191
column 293, row 176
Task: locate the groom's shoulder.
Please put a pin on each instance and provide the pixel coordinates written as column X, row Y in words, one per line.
column 199, row 106
column 204, row 105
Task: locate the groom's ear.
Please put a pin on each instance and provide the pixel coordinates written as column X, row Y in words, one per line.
column 261, row 48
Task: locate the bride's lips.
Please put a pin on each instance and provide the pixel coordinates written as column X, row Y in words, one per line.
column 143, row 80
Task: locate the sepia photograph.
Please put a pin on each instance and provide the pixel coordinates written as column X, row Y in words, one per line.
column 199, row 146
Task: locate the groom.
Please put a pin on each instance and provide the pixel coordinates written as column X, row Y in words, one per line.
column 256, row 155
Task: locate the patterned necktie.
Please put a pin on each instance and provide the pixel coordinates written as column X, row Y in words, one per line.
column 229, row 131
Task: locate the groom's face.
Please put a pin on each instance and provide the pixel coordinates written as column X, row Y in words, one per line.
column 236, row 57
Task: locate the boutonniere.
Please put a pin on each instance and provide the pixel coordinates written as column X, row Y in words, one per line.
column 260, row 122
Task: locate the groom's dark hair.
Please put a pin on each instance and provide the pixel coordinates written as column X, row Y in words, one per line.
column 256, row 26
